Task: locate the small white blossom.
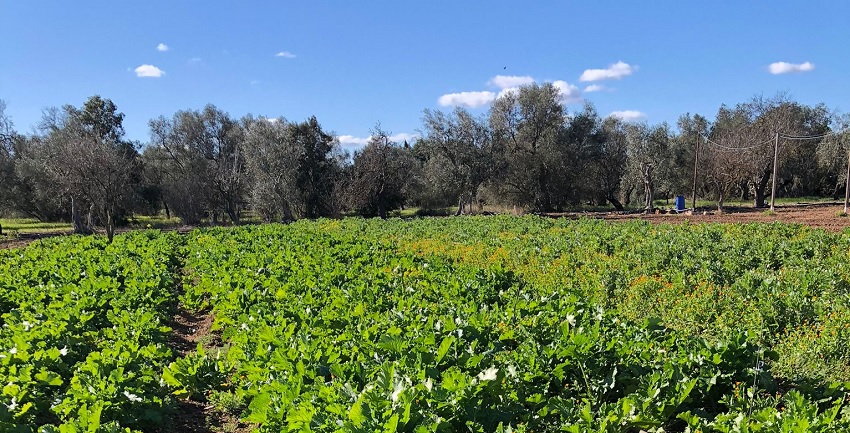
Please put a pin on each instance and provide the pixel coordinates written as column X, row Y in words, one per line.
column 13, row 350
column 244, row 327
column 132, row 397
column 512, row 370
column 399, row 388
column 13, row 405
column 571, row 319
column 428, row 384
column 488, row 374
column 63, row 351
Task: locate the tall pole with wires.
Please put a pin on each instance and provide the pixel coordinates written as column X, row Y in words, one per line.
column 775, row 166
column 847, row 185
column 696, row 164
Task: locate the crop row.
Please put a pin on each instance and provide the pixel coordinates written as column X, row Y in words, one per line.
column 82, row 335
column 508, row 324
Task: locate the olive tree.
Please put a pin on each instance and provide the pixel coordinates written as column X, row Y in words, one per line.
column 526, row 125
column 378, row 176
column 458, row 150
column 206, row 172
column 89, row 162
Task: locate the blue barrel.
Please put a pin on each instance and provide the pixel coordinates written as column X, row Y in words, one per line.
column 680, row 203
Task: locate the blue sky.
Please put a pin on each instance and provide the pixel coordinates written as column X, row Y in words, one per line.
column 352, row 64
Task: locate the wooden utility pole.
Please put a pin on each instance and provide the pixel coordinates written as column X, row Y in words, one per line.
column 775, row 166
column 696, row 164
column 847, row 186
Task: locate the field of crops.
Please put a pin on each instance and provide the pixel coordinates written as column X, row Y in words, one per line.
column 453, row 325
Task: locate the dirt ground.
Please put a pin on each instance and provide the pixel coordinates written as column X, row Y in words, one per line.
column 825, row 216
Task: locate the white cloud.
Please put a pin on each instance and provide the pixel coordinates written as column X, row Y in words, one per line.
column 613, row 72
column 162, row 47
column 569, row 92
column 507, row 91
column 784, row 68
column 628, row 115
column 594, row 88
column 285, row 54
column 467, row 99
column 149, row 71
column 350, row 140
column 401, row 138
column 509, row 81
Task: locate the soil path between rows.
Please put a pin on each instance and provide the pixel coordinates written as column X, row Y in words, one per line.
column 188, row 329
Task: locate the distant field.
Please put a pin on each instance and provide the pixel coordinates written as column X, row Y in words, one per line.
column 32, row 225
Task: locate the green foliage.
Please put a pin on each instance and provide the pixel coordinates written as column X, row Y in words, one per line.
column 435, row 325
column 82, row 341
column 508, row 324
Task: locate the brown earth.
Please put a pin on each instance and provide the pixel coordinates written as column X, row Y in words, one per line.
column 188, row 330
column 825, row 216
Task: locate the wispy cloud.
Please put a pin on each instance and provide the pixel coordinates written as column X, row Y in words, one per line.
column 162, row 47
column 594, row 88
column 613, row 72
column 285, row 54
column 785, row 68
column 467, row 99
column 628, row 115
column 509, row 81
column 149, row 71
column 195, row 60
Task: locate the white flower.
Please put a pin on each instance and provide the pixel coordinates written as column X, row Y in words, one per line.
column 13, row 350
column 399, row 388
column 244, row 327
column 13, row 405
column 428, row 384
column 132, row 397
column 571, row 319
column 63, row 351
column 512, row 370
column 488, row 374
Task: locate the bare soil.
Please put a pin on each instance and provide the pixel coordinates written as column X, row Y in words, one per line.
column 825, row 216
column 188, row 330
column 23, row 240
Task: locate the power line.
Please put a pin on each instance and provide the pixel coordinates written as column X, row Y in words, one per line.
column 810, row 137
column 733, row 148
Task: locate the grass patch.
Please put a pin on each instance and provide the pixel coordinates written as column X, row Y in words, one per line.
column 32, row 225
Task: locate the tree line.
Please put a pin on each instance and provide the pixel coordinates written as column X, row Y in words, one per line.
column 526, row 151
